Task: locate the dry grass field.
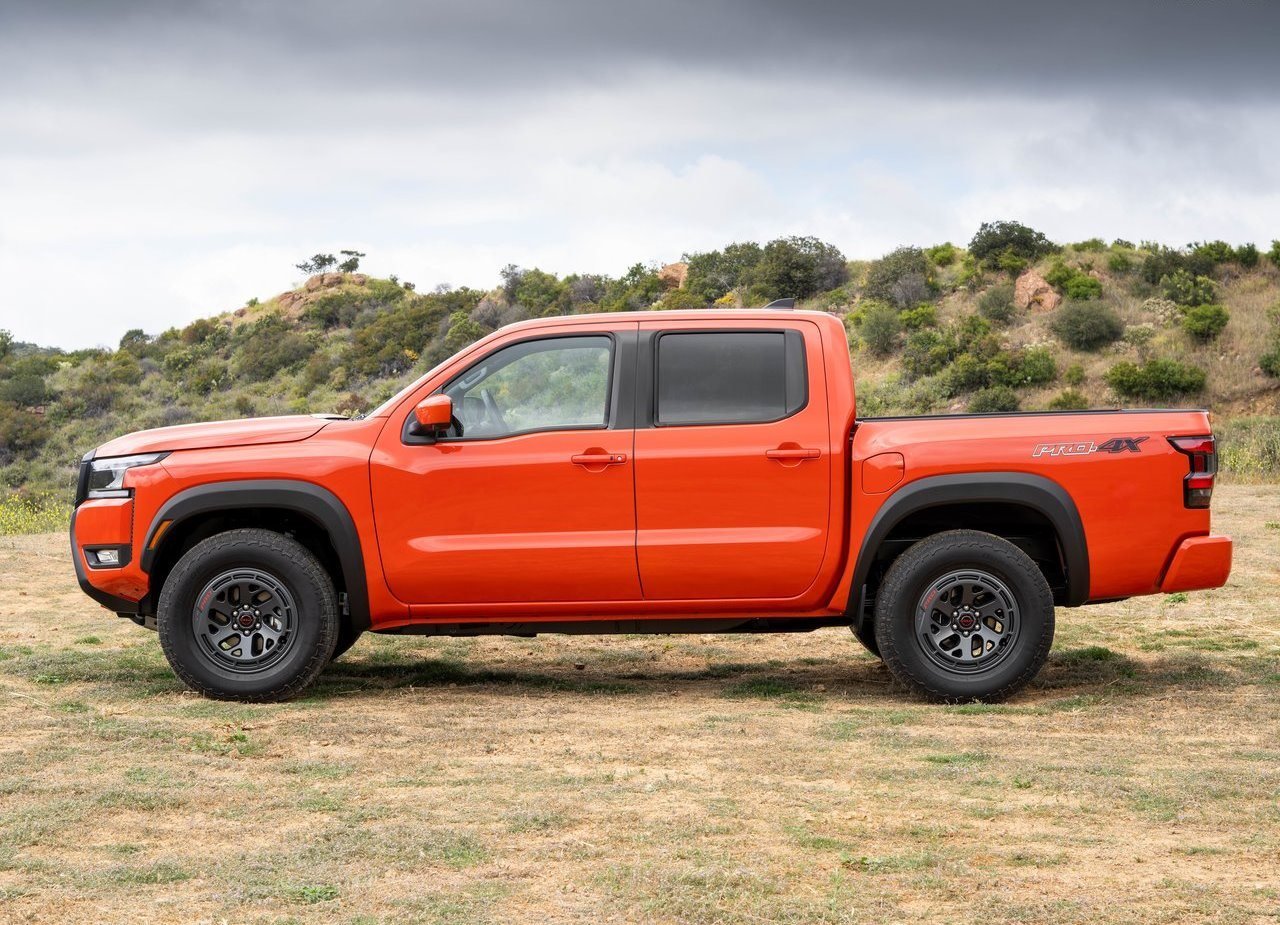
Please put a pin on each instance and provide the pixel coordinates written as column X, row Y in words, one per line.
column 699, row 779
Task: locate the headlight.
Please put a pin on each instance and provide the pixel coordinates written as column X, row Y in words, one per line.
column 106, row 476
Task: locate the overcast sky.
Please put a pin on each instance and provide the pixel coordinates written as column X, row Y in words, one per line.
column 160, row 161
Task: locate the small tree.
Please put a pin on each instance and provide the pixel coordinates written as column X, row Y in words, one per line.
column 352, row 263
column 879, row 326
column 319, row 263
column 900, row 277
column 994, row 239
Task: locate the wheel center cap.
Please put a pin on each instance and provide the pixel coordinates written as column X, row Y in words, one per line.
column 966, row 621
column 245, row 620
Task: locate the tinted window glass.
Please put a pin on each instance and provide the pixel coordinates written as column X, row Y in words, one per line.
column 535, row 385
column 730, row 377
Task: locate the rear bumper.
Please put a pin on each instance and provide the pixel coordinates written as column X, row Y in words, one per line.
column 1198, row 562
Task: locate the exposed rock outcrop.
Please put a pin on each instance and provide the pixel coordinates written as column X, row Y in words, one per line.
column 673, row 275
column 1033, row 291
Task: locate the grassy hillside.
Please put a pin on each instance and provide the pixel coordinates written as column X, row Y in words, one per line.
column 931, row 330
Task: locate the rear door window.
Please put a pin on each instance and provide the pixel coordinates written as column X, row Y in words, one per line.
column 729, row 377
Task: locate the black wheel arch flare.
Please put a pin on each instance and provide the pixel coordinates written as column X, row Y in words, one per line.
column 1039, row 494
column 318, row 504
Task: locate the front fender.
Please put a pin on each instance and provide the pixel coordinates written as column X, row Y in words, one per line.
column 318, row 504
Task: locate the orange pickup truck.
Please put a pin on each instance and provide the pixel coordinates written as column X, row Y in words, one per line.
column 675, row 472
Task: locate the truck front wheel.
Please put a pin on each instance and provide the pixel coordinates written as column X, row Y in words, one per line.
column 248, row 615
column 964, row 615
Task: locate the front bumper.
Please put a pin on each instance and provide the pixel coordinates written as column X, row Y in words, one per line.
column 108, row 523
column 1199, row 562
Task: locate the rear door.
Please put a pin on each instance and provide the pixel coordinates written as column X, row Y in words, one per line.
column 732, row 460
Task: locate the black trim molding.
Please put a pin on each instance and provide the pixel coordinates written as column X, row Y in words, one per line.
column 1036, row 492
column 317, row 504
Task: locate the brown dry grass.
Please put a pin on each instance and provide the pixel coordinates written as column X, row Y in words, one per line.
column 680, row 779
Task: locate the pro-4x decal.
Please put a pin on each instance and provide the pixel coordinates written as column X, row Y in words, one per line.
column 1083, row 448
column 1122, row 445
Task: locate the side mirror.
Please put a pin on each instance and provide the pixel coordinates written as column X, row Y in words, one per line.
column 433, row 415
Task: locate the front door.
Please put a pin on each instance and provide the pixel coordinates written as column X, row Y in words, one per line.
column 733, row 476
column 530, row 497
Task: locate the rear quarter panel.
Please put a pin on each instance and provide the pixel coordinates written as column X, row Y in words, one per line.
column 1130, row 503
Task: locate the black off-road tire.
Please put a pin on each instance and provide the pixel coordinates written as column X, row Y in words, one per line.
column 347, row 637
column 867, row 636
column 909, row 598
column 300, row 579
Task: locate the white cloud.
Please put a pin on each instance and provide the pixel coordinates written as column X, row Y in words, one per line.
column 123, row 207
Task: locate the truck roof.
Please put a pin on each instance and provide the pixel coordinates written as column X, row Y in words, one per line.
column 703, row 314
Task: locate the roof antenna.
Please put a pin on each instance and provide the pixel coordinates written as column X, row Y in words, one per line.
column 782, row 304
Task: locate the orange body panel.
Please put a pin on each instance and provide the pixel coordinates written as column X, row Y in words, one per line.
column 1200, row 562
column 711, row 506
column 640, row 521
column 882, row 471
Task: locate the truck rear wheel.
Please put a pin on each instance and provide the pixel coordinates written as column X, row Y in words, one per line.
column 964, row 615
column 248, row 615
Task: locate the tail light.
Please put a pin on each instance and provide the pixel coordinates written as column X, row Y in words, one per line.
column 1197, row 486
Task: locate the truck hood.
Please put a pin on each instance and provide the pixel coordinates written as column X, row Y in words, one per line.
column 249, row 432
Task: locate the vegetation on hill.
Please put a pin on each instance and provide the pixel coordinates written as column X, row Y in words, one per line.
column 931, row 329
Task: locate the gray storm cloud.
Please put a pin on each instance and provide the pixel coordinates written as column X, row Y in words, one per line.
column 165, row 160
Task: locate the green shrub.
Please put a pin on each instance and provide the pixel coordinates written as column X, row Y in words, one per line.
column 928, row 351
column 1205, row 322
column 1090, row 245
column 266, row 347
column 996, row 304
column 677, row 299
column 967, row 373
column 942, row 255
column 995, row 399
column 900, row 276
column 1165, row 261
column 1247, row 255
column 1249, row 447
column 924, row 315
column 26, row 390
column 1075, row 283
column 996, row 238
column 1084, row 287
column 1270, row 362
column 798, row 268
column 1086, row 325
column 1074, row 374
column 1036, row 366
column 1215, row 252
column 1274, row 254
column 878, row 327
column 1121, row 242
column 970, row 274
column 1155, row 380
column 714, row 273
column 1059, row 274
column 1119, row 263
column 1069, row 400
column 1012, row 263
column 1181, row 287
